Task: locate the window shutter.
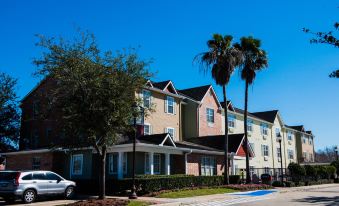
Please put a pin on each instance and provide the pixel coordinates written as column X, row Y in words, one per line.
column 174, row 134
column 166, row 104
column 174, row 106
column 150, row 129
column 262, row 150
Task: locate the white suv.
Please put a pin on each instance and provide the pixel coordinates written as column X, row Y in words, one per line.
column 28, row 185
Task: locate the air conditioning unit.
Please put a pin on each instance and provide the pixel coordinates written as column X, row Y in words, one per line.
column 289, row 142
column 249, row 134
column 231, row 130
column 279, row 159
column 266, row 158
column 264, row 137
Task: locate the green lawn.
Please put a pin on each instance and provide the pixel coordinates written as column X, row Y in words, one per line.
column 195, row 192
column 138, row 203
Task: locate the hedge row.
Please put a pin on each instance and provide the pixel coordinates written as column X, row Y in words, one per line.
column 148, row 184
column 309, row 172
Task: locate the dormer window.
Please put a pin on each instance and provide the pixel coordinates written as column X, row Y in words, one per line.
column 231, row 121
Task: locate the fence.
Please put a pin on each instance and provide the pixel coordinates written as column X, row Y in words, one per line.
column 257, row 172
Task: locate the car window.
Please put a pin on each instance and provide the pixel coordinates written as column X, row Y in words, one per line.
column 27, row 177
column 52, row 176
column 8, row 175
column 39, row 176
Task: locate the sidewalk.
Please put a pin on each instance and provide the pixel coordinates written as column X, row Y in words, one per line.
column 305, row 188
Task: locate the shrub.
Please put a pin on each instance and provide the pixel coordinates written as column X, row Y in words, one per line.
column 311, row 171
column 278, row 184
column 321, row 172
column 331, row 171
column 235, row 179
column 336, row 165
column 289, row 184
column 171, row 182
column 296, row 171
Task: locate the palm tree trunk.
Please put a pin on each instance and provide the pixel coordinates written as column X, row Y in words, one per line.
column 248, row 177
column 102, row 184
column 226, row 170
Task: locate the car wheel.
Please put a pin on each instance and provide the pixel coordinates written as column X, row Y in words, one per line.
column 69, row 192
column 29, row 196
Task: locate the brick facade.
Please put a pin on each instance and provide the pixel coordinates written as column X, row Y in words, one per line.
column 194, row 164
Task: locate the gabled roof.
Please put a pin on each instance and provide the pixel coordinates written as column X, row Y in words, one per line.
column 160, row 85
column 196, row 93
column 299, row 128
column 229, row 105
column 217, row 142
column 267, row 115
column 240, row 111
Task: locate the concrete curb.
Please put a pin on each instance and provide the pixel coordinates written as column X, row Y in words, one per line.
column 305, row 188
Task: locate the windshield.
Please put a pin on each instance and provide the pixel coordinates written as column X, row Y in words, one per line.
column 8, row 175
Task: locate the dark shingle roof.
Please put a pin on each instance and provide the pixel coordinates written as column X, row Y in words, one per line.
column 191, row 145
column 196, row 93
column 160, row 85
column 217, row 141
column 267, row 115
column 298, row 128
column 240, row 111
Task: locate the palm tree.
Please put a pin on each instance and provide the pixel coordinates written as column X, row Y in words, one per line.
column 255, row 59
column 221, row 59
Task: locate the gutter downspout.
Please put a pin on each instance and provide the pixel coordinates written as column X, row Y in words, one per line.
column 187, row 153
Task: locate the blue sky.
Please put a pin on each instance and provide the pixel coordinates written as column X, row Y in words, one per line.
column 173, row 32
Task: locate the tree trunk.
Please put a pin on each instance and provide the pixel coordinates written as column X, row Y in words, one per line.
column 102, row 178
column 226, row 170
column 248, row 177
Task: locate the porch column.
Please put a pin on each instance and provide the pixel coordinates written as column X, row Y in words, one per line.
column 167, row 164
column 151, row 161
column 120, row 166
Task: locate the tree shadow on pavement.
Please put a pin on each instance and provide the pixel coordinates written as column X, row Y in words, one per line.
column 327, row 201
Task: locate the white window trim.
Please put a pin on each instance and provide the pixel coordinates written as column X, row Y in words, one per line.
column 232, row 117
column 167, row 105
column 263, row 150
column 72, row 164
column 209, row 108
column 166, row 130
column 150, row 97
column 150, row 128
column 147, row 163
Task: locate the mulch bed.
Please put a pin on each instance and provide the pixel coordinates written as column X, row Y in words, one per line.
column 105, row 202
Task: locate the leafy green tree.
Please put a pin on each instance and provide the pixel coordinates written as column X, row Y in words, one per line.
column 94, row 92
column 255, row 59
column 9, row 115
column 330, row 170
column 326, row 38
column 296, row 171
column 221, row 59
column 311, row 171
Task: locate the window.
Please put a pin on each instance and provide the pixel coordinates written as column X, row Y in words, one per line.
column 113, row 163
column 290, row 154
column 231, row 121
column 278, row 152
column 264, row 150
column 36, row 163
column 252, row 146
column 310, row 140
column 277, row 132
column 305, row 155
column 311, row 157
column 52, row 176
column 249, row 125
column 124, row 163
column 208, row 166
column 35, row 138
column 264, row 129
column 170, row 131
column 169, row 105
column 147, row 98
column 156, row 164
column 304, row 139
column 39, row 176
column 77, row 162
column 35, row 110
column 147, row 129
column 210, row 115
column 290, row 135
column 27, row 177
column 147, row 164
column 48, row 133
